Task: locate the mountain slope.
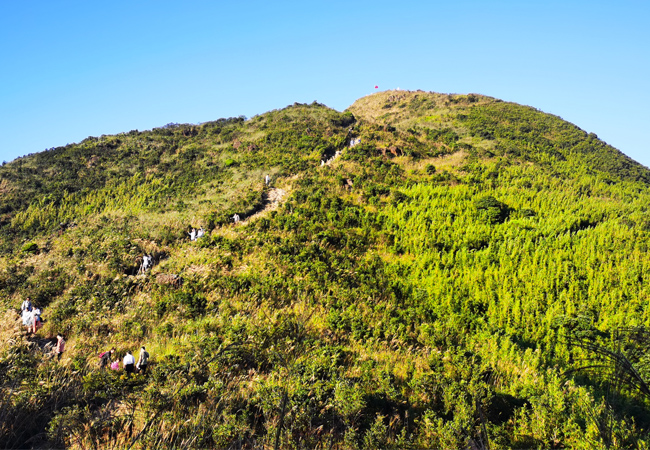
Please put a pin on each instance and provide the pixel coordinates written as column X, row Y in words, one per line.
column 423, row 289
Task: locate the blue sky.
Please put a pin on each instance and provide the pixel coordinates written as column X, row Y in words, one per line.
column 72, row 69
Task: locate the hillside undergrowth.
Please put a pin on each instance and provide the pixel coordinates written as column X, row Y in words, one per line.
column 421, row 290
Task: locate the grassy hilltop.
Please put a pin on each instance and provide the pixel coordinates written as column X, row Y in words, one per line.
column 471, row 274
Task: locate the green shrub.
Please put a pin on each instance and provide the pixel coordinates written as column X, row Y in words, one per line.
column 30, row 247
column 492, row 210
column 191, row 304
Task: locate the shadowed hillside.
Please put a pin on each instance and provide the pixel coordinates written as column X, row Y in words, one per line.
column 422, row 271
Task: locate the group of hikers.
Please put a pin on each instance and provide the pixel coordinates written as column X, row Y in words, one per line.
column 147, row 260
column 196, row 234
column 31, row 316
column 130, row 366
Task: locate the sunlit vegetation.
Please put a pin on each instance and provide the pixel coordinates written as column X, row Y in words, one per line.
column 471, row 275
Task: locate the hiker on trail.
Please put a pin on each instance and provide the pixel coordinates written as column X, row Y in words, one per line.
column 28, row 320
column 193, row 235
column 235, row 218
column 105, row 358
column 60, row 346
column 26, row 305
column 143, row 361
column 322, row 163
column 267, row 180
column 146, row 263
column 200, row 233
column 129, row 363
column 26, row 315
column 36, row 321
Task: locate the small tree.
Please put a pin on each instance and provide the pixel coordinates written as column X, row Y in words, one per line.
column 492, row 210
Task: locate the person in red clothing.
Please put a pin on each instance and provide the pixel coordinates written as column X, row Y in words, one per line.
column 106, row 358
column 60, row 346
column 36, row 321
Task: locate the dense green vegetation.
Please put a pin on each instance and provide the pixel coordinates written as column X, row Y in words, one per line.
column 471, row 275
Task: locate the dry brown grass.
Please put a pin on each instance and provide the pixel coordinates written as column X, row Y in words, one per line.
column 5, row 187
column 11, row 328
column 442, row 162
column 376, row 105
column 404, row 109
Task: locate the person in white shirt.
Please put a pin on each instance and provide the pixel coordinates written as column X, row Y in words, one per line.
column 28, row 319
column 129, row 363
column 26, row 305
column 147, row 263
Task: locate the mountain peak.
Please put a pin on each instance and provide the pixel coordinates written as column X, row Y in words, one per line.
column 491, row 126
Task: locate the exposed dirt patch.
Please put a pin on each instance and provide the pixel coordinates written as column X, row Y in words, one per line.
column 273, row 199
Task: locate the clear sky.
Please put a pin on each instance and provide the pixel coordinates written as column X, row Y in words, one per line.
column 72, row 69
